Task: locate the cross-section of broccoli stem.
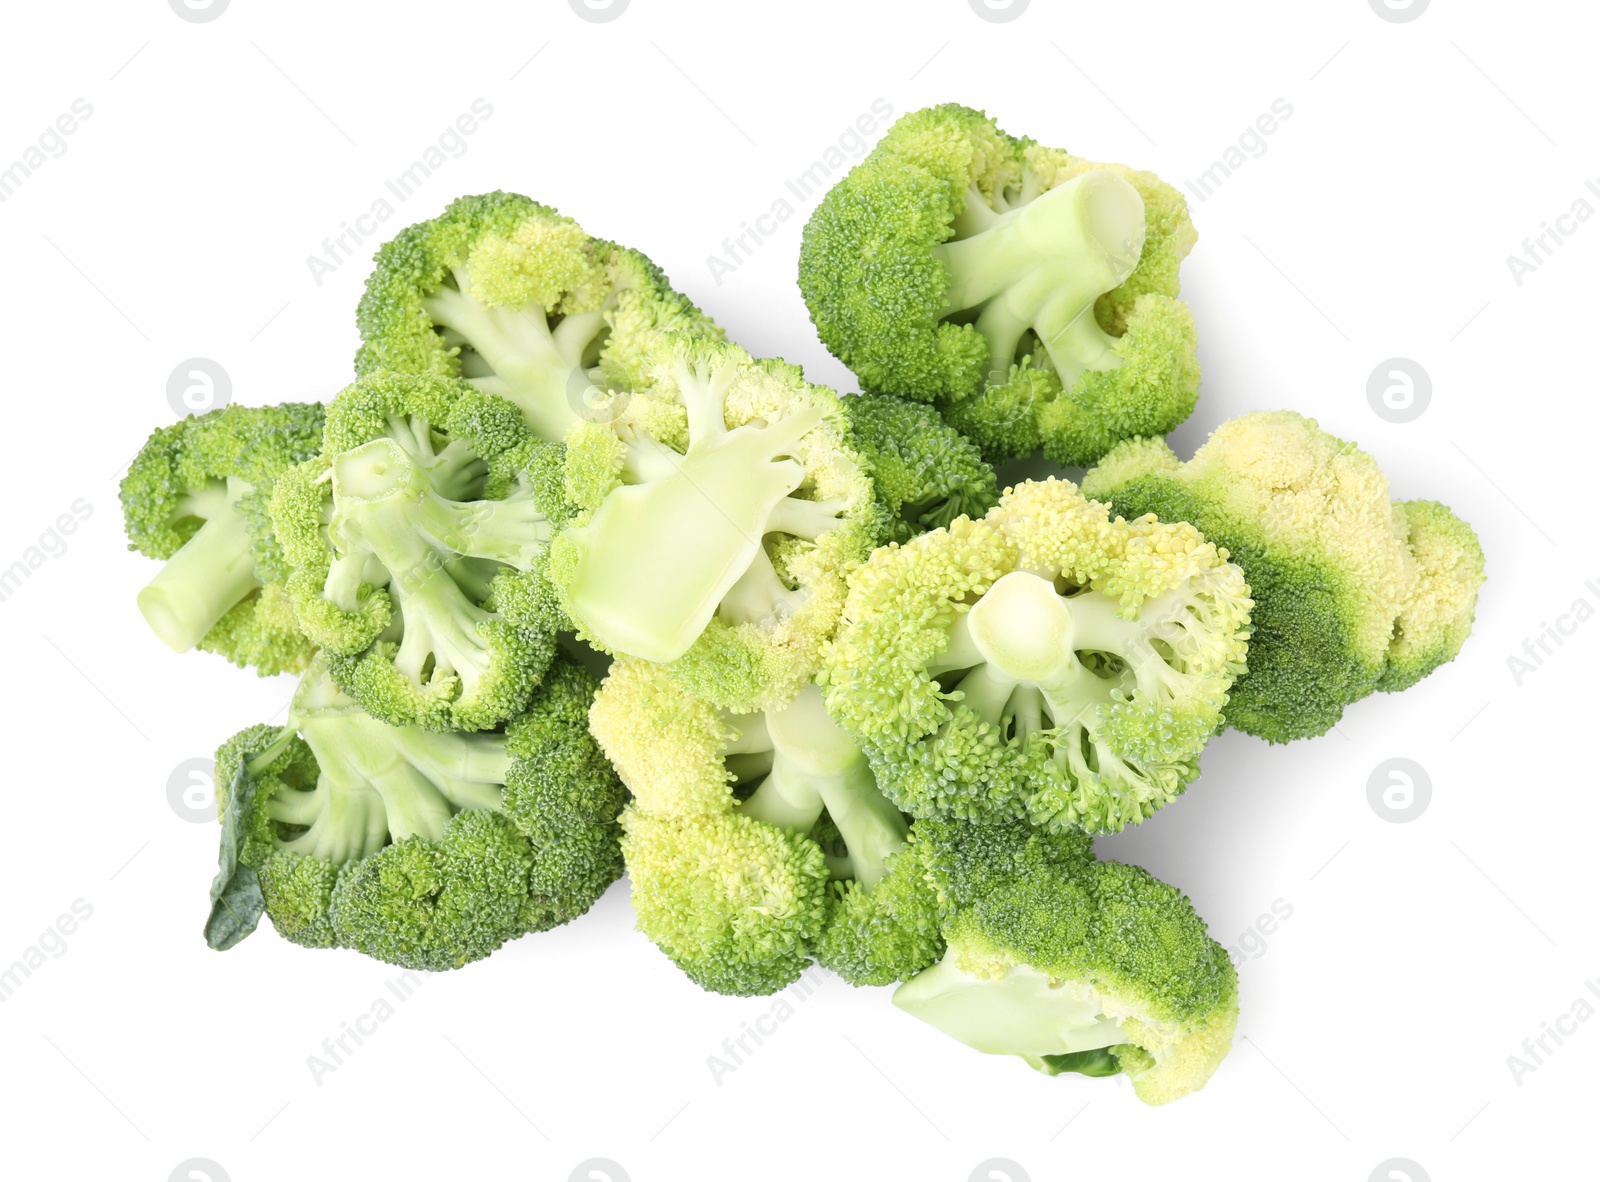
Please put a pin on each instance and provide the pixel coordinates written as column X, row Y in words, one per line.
column 515, row 353
column 718, row 501
column 213, row 570
column 1041, row 266
column 377, row 783
column 815, row 765
column 386, row 510
column 1035, row 659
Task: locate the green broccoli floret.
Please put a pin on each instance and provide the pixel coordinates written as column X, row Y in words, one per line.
column 1045, row 661
column 1353, row 593
column 925, row 473
column 1026, row 291
column 522, row 303
column 721, row 510
column 195, row 497
column 421, row 849
column 419, row 542
column 1072, row 965
column 724, row 839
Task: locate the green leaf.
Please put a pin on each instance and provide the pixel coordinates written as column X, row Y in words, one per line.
column 236, row 901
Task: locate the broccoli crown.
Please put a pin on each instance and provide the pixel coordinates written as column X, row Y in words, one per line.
column 419, row 539
column 755, row 841
column 521, row 302
column 1353, row 592
column 1046, row 661
column 1072, row 964
column 1027, row 291
column 195, row 497
column 925, row 473
column 720, row 512
column 421, row 849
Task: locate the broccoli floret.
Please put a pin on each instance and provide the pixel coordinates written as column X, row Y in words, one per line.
column 722, row 509
column 195, row 497
column 419, row 539
column 1026, row 291
column 925, row 473
column 1045, row 661
column 522, row 303
column 1072, row 965
column 1353, row 592
column 758, row 840
column 421, row 849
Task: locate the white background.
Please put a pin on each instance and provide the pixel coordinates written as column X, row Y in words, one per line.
column 1378, row 1020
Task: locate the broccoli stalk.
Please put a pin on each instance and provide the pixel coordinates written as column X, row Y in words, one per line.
column 1041, row 265
column 213, row 570
column 815, row 766
column 517, row 353
column 722, row 510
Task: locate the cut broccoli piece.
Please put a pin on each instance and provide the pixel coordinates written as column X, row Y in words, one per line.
column 1026, row 291
column 195, row 497
column 1072, row 965
column 1046, row 661
column 722, row 510
column 420, row 849
column 756, row 841
column 419, row 539
column 1353, row 593
column 522, row 303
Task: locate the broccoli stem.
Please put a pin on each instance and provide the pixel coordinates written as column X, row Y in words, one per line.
column 212, row 571
column 1023, row 1012
column 381, row 501
column 817, row 766
column 1042, row 265
column 538, row 369
column 632, row 588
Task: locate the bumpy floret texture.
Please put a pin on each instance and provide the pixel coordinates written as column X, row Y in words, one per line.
column 1047, row 661
column 195, row 497
column 1028, row 292
column 422, row 849
column 757, row 841
column 1072, row 964
column 721, row 509
column 1354, row 592
column 924, row 473
column 521, row 302
column 419, row 539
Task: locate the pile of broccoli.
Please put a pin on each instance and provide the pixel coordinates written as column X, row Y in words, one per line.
column 579, row 588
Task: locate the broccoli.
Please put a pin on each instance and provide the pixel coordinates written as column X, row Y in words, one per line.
column 522, row 303
column 1353, row 592
column 755, row 841
column 1030, row 294
column 1071, row 964
column 195, row 497
column 925, row 474
column 1044, row 661
column 419, row 541
column 720, row 511
column 420, row 849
